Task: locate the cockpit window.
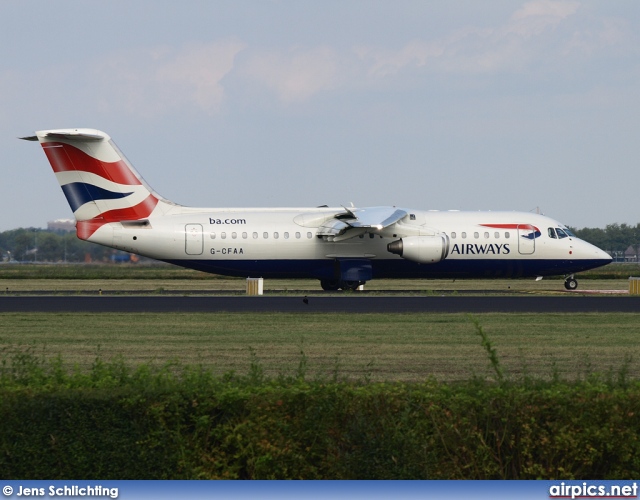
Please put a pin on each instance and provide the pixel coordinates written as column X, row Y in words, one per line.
column 561, row 233
column 552, row 233
column 569, row 233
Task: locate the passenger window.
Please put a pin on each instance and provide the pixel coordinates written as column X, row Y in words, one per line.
column 298, row 236
column 507, row 235
column 497, row 235
column 244, row 236
column 213, row 236
column 286, row 236
column 265, row 235
column 371, row 236
column 309, row 235
column 234, row 235
column 486, row 235
column 255, row 236
column 476, row 235
column 453, row 235
column 223, row 235
column 464, row 235
column 276, row 235
column 552, row 233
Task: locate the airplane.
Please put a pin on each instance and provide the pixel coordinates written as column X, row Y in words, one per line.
column 343, row 247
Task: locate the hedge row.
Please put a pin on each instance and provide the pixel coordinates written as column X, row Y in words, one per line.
column 147, row 425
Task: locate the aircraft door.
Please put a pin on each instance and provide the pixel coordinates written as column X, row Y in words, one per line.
column 527, row 239
column 194, row 241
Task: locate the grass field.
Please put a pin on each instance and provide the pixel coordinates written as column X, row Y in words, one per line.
column 376, row 347
column 370, row 346
column 162, row 278
column 226, row 285
column 238, row 286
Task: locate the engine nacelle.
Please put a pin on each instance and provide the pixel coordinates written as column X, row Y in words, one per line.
column 422, row 249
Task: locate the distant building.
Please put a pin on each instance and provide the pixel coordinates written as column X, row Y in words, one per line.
column 67, row 225
column 631, row 254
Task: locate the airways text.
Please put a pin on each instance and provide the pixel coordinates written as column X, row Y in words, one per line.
column 475, row 249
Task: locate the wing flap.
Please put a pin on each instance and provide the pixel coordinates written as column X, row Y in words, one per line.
column 356, row 221
column 377, row 217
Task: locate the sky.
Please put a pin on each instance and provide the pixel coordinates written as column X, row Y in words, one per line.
column 440, row 105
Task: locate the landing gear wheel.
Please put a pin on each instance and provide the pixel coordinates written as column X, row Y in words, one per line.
column 330, row 285
column 571, row 283
column 349, row 285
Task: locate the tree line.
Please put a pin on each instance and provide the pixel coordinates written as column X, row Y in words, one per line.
column 42, row 245
column 614, row 238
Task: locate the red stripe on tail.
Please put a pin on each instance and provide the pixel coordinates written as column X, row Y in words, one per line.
column 64, row 157
column 86, row 228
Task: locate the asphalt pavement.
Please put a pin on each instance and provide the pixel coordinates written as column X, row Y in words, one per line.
column 321, row 304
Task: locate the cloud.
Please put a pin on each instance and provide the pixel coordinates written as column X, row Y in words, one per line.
column 159, row 80
column 535, row 17
column 541, row 33
column 538, row 34
column 295, row 75
column 153, row 81
column 385, row 62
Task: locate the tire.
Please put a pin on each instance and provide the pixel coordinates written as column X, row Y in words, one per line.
column 330, row 285
column 571, row 284
column 350, row 285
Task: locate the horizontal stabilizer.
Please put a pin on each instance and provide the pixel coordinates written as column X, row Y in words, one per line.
column 74, row 135
column 69, row 135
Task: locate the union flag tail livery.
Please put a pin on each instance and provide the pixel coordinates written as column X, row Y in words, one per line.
column 342, row 247
column 99, row 183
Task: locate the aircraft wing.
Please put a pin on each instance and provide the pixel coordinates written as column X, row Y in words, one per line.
column 356, row 221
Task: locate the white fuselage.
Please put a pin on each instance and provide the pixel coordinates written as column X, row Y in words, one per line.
column 283, row 242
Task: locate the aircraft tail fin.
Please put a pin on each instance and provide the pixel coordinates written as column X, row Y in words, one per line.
column 99, row 183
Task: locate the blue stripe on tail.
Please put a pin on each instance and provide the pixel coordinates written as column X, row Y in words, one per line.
column 79, row 193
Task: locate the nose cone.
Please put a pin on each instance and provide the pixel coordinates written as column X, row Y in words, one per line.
column 590, row 254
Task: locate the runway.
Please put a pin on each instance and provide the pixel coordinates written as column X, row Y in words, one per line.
column 321, row 304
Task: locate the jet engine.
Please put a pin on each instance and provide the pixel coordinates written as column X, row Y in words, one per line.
column 422, row 249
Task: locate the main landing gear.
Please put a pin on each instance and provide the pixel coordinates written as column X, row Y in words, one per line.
column 333, row 285
column 570, row 283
